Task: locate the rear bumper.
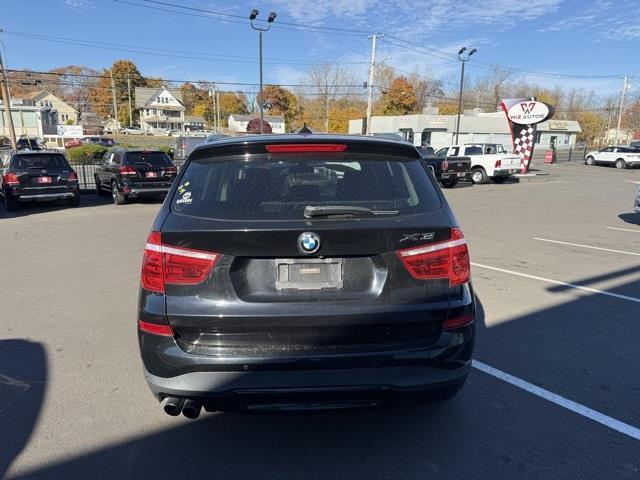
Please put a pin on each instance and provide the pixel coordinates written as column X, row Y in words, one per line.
column 505, row 172
column 462, row 176
column 43, row 197
column 141, row 191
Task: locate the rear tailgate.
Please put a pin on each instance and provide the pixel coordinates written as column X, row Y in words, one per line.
column 456, row 165
column 41, row 173
column 265, row 296
column 151, row 167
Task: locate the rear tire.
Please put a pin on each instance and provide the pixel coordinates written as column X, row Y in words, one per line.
column 499, row 179
column 621, row 164
column 74, row 201
column 450, row 183
column 479, row 176
column 590, row 161
column 10, row 204
column 118, row 198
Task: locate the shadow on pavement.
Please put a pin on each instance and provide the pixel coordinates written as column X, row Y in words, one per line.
column 32, row 208
column 584, row 349
column 632, row 218
column 23, row 380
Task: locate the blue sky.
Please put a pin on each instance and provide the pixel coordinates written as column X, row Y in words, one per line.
column 578, row 37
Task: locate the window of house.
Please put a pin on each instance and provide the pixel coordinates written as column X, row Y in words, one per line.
column 567, row 138
column 538, row 137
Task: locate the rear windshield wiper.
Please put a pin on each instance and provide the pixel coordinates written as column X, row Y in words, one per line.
column 329, row 210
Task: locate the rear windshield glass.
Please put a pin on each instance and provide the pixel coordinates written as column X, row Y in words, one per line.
column 40, row 161
column 475, row 150
column 281, row 186
column 147, row 159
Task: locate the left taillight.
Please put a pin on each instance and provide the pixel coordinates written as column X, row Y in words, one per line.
column 448, row 259
column 10, row 179
column 498, row 163
column 169, row 265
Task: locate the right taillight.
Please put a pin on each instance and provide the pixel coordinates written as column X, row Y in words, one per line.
column 127, row 171
column 168, row 265
column 447, row 259
column 10, row 179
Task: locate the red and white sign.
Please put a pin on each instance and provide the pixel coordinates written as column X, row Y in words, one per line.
column 528, row 113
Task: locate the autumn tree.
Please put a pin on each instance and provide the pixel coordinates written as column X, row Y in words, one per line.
column 101, row 93
column 400, row 99
column 280, row 101
column 427, row 89
column 254, row 126
column 592, row 125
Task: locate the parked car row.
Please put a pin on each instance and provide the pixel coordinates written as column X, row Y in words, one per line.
column 620, row 157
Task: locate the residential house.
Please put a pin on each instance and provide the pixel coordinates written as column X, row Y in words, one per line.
column 238, row 123
column 194, row 123
column 475, row 126
column 42, row 98
column 160, row 109
column 29, row 120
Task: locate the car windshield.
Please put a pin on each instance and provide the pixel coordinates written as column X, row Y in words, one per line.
column 39, row 161
column 154, row 159
column 280, row 187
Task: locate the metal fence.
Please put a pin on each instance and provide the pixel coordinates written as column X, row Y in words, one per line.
column 561, row 155
column 86, row 173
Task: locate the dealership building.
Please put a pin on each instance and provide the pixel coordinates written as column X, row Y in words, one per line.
column 475, row 127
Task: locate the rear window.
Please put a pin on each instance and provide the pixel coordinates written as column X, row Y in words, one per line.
column 475, row 150
column 40, row 161
column 150, row 159
column 279, row 187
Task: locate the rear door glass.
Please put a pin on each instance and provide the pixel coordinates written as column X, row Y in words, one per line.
column 147, row 159
column 40, row 161
column 262, row 187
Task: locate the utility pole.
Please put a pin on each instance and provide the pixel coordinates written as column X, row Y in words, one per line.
column 212, row 94
column 129, row 88
column 326, row 107
column 7, row 106
column 115, row 104
column 625, row 87
column 609, row 123
column 372, row 68
column 218, row 126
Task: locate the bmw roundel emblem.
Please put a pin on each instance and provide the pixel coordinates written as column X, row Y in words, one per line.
column 308, row 243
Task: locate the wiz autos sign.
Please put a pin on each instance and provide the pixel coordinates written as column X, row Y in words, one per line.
column 523, row 115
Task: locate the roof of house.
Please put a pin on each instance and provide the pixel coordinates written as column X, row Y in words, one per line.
column 144, row 94
column 38, row 95
column 248, row 118
column 194, row 119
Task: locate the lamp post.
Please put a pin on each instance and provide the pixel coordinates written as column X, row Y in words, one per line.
column 252, row 16
column 463, row 56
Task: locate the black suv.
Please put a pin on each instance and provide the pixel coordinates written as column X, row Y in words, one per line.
column 29, row 176
column 293, row 272
column 130, row 174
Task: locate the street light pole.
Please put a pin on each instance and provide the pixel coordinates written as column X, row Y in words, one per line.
column 252, row 16
column 464, row 58
column 372, row 68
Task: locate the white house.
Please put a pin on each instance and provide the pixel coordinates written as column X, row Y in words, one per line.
column 42, row 98
column 238, row 123
column 29, row 120
column 475, row 126
column 160, row 109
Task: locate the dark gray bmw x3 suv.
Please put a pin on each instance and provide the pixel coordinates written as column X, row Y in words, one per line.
column 291, row 272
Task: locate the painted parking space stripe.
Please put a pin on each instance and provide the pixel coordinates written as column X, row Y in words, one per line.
column 586, row 246
column 561, row 401
column 557, row 282
column 632, row 181
column 624, row 229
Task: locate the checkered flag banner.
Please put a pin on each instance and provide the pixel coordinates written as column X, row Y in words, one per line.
column 523, row 143
column 523, row 116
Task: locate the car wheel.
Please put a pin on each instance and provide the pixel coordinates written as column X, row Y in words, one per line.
column 10, row 204
column 499, row 179
column 74, row 201
column 478, row 175
column 118, row 198
column 590, row 161
column 620, row 163
column 450, row 183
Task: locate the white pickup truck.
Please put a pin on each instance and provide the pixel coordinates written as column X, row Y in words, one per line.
column 488, row 160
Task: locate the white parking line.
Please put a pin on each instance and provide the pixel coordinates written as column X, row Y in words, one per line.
column 557, row 282
column 575, row 407
column 587, row 246
column 632, row 181
column 624, row 229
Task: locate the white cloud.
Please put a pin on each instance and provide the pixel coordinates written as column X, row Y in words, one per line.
column 79, row 4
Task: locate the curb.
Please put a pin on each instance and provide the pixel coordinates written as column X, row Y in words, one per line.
column 539, row 176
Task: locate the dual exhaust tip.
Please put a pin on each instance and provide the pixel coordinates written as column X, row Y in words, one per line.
column 189, row 408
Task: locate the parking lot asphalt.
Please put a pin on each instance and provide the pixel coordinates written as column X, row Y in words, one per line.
column 555, row 392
